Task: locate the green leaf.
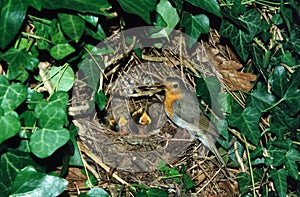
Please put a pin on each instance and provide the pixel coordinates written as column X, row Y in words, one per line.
column 195, row 26
column 277, row 19
column 93, row 20
column 11, row 96
column 60, row 51
column 211, row 6
column 155, row 192
column 60, row 98
column 72, row 25
column 44, row 142
column 237, row 37
column 52, row 117
column 288, row 59
column 278, row 81
column 83, row 6
column 33, row 98
column 42, row 30
column 17, row 61
column 62, row 77
column 167, row 15
column 188, row 183
column 277, row 154
column 252, row 19
column 97, row 192
column 29, row 182
column 291, row 97
column 288, row 91
column 99, row 34
column 292, row 157
column 244, row 181
column 173, row 172
column 260, row 98
column 281, row 123
column 36, row 4
column 247, row 123
column 100, row 99
column 90, row 72
column 56, row 34
column 75, row 158
column 12, row 14
column 279, row 178
column 11, row 163
column 139, row 7
column 10, row 126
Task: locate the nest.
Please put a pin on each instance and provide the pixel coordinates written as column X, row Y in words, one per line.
column 132, row 134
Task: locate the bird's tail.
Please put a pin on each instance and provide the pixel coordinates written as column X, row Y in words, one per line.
column 208, row 141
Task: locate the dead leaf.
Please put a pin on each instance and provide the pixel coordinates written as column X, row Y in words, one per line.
column 236, row 80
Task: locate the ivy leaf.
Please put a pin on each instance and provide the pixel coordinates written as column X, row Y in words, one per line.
column 277, row 154
column 42, row 30
column 288, row 91
column 281, row 123
column 167, row 15
column 139, row 7
column 188, row 183
column 292, row 157
column 156, row 192
column 36, row 4
column 237, row 37
column 11, row 163
column 195, row 26
column 99, row 34
column 292, row 94
column 244, row 181
column 247, row 123
column 29, row 182
column 288, row 59
column 211, row 6
column 17, row 61
column 10, row 126
column 60, row 98
column 62, row 78
column 96, row 191
column 52, row 117
column 279, row 178
column 12, row 14
column 11, row 96
column 90, row 71
column 44, row 142
column 93, row 20
column 260, row 98
column 60, row 51
column 100, row 99
column 253, row 21
column 278, row 81
column 83, row 6
column 72, row 25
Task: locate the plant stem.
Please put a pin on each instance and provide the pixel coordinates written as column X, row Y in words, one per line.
column 250, row 166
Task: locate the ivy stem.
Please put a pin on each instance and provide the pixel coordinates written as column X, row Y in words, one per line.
column 35, row 36
column 250, row 166
column 260, row 44
column 275, row 104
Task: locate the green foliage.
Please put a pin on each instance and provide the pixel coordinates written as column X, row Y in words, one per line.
column 36, row 127
column 44, row 185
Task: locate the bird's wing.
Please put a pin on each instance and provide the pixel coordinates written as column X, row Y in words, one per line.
column 188, row 109
column 190, row 112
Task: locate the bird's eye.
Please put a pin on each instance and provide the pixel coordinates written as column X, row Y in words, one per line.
column 175, row 85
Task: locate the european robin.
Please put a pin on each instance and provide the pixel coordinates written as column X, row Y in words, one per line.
column 182, row 107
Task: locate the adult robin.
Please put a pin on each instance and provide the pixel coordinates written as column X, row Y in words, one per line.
column 182, row 107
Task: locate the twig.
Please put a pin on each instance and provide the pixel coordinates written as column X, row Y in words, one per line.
column 239, row 159
column 103, row 165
